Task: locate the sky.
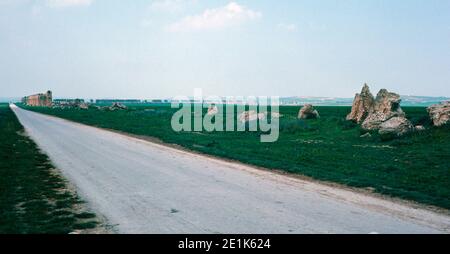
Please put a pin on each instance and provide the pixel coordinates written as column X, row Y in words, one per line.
column 164, row 48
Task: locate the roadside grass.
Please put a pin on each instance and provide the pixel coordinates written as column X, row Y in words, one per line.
column 415, row 167
column 33, row 196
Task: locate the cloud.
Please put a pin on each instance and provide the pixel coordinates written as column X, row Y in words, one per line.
column 67, row 3
column 288, row 27
column 232, row 14
column 171, row 6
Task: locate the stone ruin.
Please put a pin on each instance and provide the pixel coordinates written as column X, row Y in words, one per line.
column 39, row 100
column 439, row 113
column 308, row 112
column 382, row 113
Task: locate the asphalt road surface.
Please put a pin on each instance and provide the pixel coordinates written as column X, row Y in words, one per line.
column 142, row 187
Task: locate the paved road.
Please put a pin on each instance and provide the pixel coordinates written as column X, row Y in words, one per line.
column 142, row 187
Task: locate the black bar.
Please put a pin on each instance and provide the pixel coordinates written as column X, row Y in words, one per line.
column 227, row 243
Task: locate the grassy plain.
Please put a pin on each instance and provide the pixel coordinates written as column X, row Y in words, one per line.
column 33, row 197
column 415, row 167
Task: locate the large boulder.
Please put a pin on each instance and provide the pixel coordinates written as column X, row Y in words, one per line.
column 308, row 112
column 362, row 105
column 385, row 107
column 374, row 120
column 439, row 113
column 388, row 103
column 419, row 128
column 395, row 126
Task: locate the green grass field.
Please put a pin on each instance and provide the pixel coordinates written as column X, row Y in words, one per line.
column 33, row 196
column 415, row 167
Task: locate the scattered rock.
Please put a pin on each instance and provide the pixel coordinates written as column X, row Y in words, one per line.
column 367, row 135
column 117, row 106
column 261, row 116
column 276, row 115
column 308, row 112
column 251, row 115
column 212, row 110
column 397, row 126
column 419, row 128
column 83, row 105
column 71, row 103
column 373, row 121
column 362, row 105
column 440, row 113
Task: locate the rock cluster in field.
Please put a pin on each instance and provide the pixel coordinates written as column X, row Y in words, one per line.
column 77, row 103
column 385, row 107
column 382, row 113
column 308, row 112
column 440, row 113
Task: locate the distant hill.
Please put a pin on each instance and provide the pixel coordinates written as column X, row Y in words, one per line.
column 9, row 99
column 323, row 101
column 407, row 100
column 422, row 100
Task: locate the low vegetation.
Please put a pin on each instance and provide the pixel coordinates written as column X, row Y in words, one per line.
column 414, row 167
column 33, row 197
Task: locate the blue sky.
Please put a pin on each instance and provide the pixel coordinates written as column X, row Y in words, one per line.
column 164, row 48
